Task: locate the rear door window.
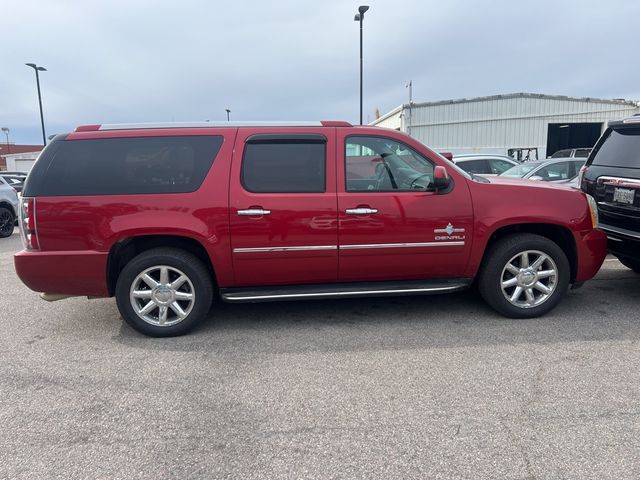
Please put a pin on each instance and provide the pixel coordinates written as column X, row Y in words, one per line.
column 277, row 164
column 122, row 166
column 620, row 149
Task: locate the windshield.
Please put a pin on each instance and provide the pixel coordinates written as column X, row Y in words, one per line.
column 519, row 171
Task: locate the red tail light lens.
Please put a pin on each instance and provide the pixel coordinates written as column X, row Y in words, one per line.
column 28, row 223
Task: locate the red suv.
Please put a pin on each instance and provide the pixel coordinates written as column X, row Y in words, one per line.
column 165, row 216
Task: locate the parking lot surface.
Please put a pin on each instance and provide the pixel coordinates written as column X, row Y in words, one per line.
column 406, row 387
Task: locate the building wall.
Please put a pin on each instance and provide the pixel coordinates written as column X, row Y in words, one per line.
column 495, row 124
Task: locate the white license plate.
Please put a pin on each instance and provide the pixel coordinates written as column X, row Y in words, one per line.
column 624, row 195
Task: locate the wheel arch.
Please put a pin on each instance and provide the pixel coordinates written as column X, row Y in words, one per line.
column 560, row 235
column 8, row 205
column 125, row 250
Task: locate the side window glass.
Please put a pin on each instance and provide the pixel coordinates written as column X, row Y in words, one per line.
column 475, row 166
column 498, row 166
column 558, row 171
column 378, row 164
column 289, row 165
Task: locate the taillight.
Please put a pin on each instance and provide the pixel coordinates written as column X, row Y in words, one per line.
column 582, row 181
column 28, row 223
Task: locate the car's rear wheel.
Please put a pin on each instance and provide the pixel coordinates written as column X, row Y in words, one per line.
column 164, row 292
column 632, row 264
column 7, row 222
column 524, row 275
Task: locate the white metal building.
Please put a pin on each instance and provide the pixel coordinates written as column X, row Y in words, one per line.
column 504, row 123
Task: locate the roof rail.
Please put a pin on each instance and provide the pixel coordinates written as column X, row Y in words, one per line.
column 138, row 126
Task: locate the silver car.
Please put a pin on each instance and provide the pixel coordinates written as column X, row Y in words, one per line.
column 8, row 209
column 484, row 164
column 558, row 170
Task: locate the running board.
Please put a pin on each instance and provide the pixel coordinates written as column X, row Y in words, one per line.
column 342, row 290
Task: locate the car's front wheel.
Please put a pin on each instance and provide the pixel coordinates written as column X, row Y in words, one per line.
column 524, row 275
column 164, row 292
column 7, row 222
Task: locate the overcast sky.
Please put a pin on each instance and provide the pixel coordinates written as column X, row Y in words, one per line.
column 153, row 60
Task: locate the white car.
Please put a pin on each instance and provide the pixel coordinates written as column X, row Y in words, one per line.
column 484, row 164
column 8, row 209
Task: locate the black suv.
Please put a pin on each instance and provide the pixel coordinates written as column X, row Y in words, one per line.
column 612, row 176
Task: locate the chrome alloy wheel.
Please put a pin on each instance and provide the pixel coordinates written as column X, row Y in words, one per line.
column 529, row 279
column 162, row 295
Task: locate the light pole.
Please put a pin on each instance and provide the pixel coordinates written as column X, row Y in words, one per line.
column 228, row 112
column 6, row 132
column 39, row 69
column 359, row 18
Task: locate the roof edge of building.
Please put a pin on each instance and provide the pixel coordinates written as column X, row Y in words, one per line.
column 387, row 115
column 616, row 101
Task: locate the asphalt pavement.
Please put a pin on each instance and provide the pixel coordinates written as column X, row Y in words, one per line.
column 435, row 387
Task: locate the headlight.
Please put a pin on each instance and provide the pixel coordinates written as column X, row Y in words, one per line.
column 593, row 208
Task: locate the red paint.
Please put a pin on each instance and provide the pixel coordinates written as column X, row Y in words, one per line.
column 76, row 234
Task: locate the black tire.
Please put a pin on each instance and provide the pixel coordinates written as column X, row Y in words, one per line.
column 632, row 264
column 7, row 222
column 494, row 271
column 178, row 263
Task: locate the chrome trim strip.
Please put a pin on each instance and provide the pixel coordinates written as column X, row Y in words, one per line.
column 137, row 126
column 232, row 298
column 285, row 249
column 402, row 245
column 621, row 231
column 453, row 230
column 619, row 181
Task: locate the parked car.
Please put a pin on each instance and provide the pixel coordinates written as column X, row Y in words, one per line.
column 8, row 209
column 572, row 153
column 612, row 177
column 559, row 170
column 165, row 216
column 17, row 182
column 484, row 164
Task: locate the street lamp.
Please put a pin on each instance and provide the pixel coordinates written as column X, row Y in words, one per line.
column 39, row 69
column 359, row 18
column 6, row 132
column 228, row 112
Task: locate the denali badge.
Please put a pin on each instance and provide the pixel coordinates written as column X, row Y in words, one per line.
column 449, row 230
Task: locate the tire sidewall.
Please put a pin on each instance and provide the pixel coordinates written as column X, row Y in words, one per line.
column 190, row 266
column 490, row 281
column 12, row 219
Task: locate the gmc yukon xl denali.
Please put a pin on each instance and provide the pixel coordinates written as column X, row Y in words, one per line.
column 164, row 217
column 612, row 176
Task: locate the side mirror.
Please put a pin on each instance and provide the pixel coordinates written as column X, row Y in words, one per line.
column 536, row 177
column 441, row 179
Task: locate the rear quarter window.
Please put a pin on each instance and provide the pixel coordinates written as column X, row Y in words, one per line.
column 620, row 148
column 122, row 166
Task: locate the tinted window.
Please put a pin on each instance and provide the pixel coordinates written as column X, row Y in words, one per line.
column 379, row 164
column 582, row 152
column 115, row 166
column 289, row 165
column 562, row 154
column 475, row 166
column 620, row 149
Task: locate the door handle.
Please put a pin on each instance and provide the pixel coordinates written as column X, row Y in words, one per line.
column 253, row 212
column 361, row 211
